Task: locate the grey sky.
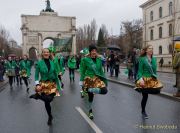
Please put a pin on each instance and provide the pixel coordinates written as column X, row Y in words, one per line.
column 108, row 12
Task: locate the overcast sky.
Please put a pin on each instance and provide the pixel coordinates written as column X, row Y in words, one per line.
column 108, row 12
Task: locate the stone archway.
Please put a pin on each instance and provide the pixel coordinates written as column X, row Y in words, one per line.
column 36, row 28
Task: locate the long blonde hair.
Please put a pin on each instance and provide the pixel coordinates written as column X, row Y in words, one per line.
column 144, row 49
column 43, row 51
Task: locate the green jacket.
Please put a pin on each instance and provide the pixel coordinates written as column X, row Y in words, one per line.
column 72, row 62
column 59, row 65
column 26, row 65
column 176, row 60
column 145, row 70
column 42, row 70
column 10, row 65
column 88, row 68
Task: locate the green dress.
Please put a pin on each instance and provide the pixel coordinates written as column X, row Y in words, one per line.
column 145, row 70
column 59, row 65
column 89, row 68
column 26, row 65
column 10, row 68
column 42, row 70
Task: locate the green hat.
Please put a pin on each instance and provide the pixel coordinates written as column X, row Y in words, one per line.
column 52, row 49
column 85, row 51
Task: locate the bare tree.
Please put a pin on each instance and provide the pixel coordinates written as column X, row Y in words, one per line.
column 86, row 35
column 131, row 34
column 93, row 30
column 105, row 31
column 4, row 37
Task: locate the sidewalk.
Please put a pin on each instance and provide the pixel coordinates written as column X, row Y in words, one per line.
column 2, row 84
column 167, row 91
column 159, row 69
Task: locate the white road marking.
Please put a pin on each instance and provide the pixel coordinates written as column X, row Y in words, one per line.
column 90, row 122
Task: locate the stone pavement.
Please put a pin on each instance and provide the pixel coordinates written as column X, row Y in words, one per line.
column 167, row 91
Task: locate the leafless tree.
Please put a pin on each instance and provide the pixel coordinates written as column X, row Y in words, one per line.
column 4, row 37
column 86, row 35
column 105, row 31
column 5, row 48
column 131, row 35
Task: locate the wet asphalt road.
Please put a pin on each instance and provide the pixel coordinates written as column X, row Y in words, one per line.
column 117, row 112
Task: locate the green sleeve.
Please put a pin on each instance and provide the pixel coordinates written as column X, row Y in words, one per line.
column 55, row 61
column 103, row 74
column 21, row 65
column 29, row 65
column 15, row 64
column 82, row 70
column 101, row 70
column 154, row 65
column 37, row 72
column 62, row 66
column 140, row 68
column 68, row 62
column 57, row 81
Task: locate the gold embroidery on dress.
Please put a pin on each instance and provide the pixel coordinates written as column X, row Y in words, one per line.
column 94, row 82
column 48, row 87
column 23, row 73
column 150, row 82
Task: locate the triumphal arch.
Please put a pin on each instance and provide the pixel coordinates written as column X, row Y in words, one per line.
column 36, row 28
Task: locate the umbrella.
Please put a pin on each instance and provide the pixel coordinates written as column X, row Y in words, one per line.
column 113, row 47
column 177, row 38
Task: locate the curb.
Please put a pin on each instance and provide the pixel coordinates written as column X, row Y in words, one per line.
column 164, row 72
column 163, row 94
column 160, row 71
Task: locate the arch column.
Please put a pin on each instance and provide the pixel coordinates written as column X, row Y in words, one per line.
column 25, row 43
column 39, row 44
column 74, row 42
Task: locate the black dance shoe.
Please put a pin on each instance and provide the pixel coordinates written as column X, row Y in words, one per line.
column 144, row 115
column 27, row 90
column 34, row 96
column 50, row 121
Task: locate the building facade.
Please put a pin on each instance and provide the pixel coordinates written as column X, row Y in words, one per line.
column 161, row 24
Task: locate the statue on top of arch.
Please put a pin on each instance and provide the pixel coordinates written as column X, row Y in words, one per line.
column 48, row 7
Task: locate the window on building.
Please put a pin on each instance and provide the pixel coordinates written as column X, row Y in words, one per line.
column 151, row 34
column 160, row 32
column 160, row 49
column 170, row 49
column 160, row 12
column 170, row 8
column 151, row 16
column 170, row 30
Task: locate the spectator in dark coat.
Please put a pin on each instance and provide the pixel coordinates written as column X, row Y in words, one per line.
column 2, row 69
column 111, row 63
